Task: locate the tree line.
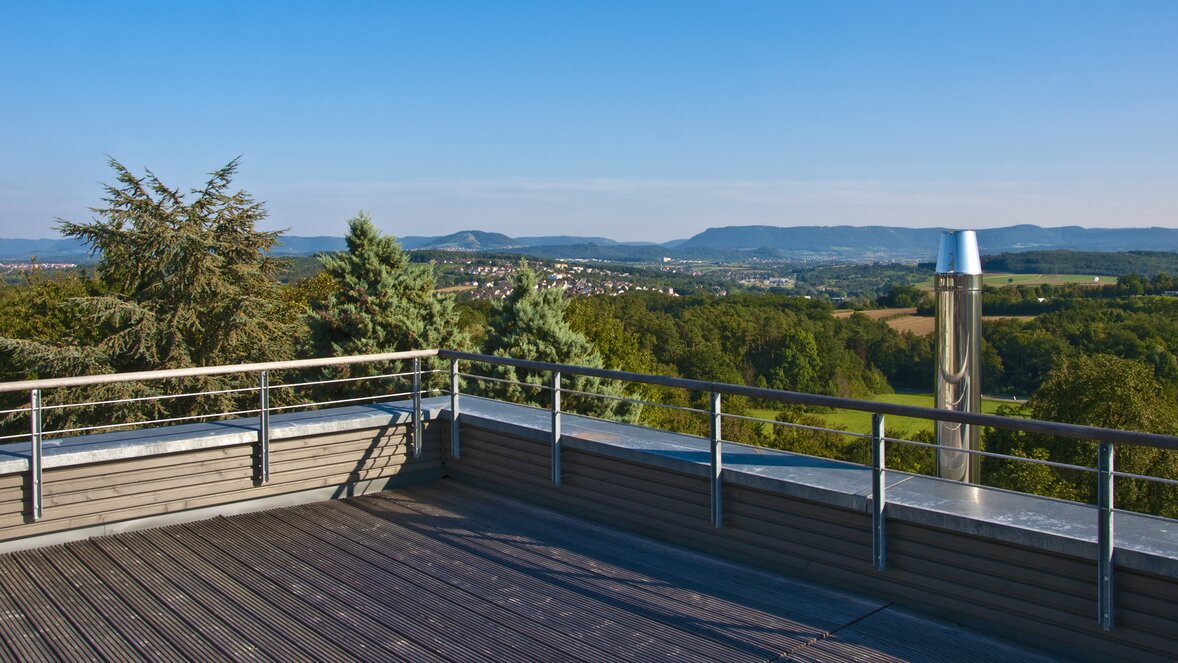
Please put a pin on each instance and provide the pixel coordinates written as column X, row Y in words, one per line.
column 1104, row 263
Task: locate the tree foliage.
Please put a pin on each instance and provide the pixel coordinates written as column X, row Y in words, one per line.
column 181, row 280
column 1094, row 390
column 530, row 324
column 380, row 302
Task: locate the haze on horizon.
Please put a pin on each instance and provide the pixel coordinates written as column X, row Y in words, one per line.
column 632, row 120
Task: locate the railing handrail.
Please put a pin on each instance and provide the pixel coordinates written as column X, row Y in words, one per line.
column 197, row 371
column 1075, row 431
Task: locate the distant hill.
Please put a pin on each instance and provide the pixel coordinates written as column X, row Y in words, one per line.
column 46, row 250
column 870, row 241
column 1074, row 238
column 472, row 240
column 293, row 245
column 615, row 252
column 832, row 241
column 844, row 243
column 564, row 240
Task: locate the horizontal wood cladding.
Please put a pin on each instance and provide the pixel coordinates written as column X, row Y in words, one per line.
column 1025, row 593
column 86, row 495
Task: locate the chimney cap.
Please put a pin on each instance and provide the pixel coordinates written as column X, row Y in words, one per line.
column 959, row 253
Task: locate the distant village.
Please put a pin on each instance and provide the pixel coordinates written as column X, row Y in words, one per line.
column 494, row 281
column 10, row 267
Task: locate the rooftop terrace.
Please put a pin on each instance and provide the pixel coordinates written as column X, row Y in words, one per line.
column 439, row 571
column 457, row 527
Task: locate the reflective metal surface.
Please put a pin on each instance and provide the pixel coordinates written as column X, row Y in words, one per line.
column 958, row 253
column 958, row 291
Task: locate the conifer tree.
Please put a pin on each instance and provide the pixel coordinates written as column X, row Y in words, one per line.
column 382, row 302
column 180, row 283
column 530, row 324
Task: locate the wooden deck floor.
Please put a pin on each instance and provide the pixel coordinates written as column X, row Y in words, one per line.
column 435, row 572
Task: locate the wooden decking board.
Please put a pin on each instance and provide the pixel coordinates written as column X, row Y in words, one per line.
column 308, row 642
column 640, row 638
column 222, row 634
column 149, row 643
column 888, row 635
column 24, row 638
column 254, row 636
column 354, row 610
column 88, row 623
column 586, row 629
column 534, row 628
column 764, row 634
column 600, row 623
column 767, row 591
column 600, row 626
column 395, row 617
column 144, row 604
column 436, row 572
column 545, row 576
column 311, row 620
column 470, row 630
column 48, row 618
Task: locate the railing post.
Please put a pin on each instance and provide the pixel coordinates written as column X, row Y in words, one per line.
column 878, row 499
column 264, row 430
column 455, row 449
column 717, row 464
column 416, row 407
column 1104, row 536
column 36, row 510
column 556, row 428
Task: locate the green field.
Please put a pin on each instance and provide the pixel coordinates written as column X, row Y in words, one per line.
column 860, row 422
column 1002, row 278
column 998, row 279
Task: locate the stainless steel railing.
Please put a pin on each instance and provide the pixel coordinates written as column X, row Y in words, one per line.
column 38, row 408
column 1107, row 439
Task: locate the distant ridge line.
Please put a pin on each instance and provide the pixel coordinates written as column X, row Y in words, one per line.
column 862, row 243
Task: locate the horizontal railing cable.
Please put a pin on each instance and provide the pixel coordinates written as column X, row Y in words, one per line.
column 490, row 378
column 198, row 371
column 144, row 399
column 1076, row 431
column 147, row 422
column 991, row 454
column 339, row 401
column 313, row 383
column 635, row 401
column 790, row 424
column 1141, row 477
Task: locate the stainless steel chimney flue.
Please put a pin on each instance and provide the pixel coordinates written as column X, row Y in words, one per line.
column 958, row 291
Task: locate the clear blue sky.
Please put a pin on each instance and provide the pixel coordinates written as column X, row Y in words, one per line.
column 634, row 120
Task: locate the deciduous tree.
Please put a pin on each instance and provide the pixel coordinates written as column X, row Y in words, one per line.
column 1094, row 390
